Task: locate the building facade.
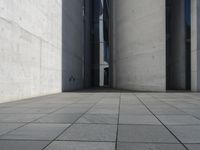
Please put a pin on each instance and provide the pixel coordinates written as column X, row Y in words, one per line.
column 51, row 46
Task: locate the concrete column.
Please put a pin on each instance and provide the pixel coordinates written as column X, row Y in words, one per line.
column 195, row 46
column 73, row 45
column 177, row 51
column 139, row 45
column 87, row 44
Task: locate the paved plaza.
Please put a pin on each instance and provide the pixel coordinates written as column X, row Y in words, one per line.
column 92, row 120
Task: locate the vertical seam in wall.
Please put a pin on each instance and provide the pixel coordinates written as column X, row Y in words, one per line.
column 40, row 62
column 197, row 48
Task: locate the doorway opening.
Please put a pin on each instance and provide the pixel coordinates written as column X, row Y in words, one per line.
column 178, row 44
column 100, row 43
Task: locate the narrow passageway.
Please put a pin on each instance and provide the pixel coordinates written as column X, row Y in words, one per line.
column 93, row 120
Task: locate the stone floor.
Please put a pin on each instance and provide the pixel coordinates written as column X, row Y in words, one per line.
column 102, row 121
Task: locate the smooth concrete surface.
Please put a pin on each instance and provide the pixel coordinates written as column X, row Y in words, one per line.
column 41, row 49
column 139, row 45
column 194, row 45
column 102, row 120
column 87, row 44
column 30, row 49
column 195, row 50
column 73, row 45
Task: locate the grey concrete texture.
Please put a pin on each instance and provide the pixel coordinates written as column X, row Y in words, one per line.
column 42, row 48
column 30, row 51
column 195, row 46
column 193, row 146
column 23, row 145
column 66, row 145
column 139, row 45
column 133, row 129
column 136, row 146
column 72, row 45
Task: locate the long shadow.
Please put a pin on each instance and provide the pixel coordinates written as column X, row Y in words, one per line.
column 76, row 69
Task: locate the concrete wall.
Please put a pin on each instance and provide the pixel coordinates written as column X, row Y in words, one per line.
column 73, row 45
column 139, row 44
column 30, row 49
column 32, row 56
column 195, row 46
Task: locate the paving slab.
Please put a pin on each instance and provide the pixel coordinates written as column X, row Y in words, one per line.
column 90, row 132
column 166, row 111
column 138, row 119
column 103, row 111
column 26, row 110
column 187, row 134
column 19, row 118
column 23, row 145
column 134, row 110
column 66, row 145
column 193, row 146
column 99, row 119
column 178, row 120
column 7, row 127
column 59, row 118
column 70, row 110
column 145, row 133
column 36, row 132
column 144, row 146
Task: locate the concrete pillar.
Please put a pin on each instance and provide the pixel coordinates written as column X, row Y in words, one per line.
column 72, row 45
column 195, row 46
column 177, row 51
column 87, row 44
column 139, row 45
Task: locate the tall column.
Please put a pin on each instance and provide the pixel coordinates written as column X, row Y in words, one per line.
column 195, row 46
column 139, row 45
column 176, row 58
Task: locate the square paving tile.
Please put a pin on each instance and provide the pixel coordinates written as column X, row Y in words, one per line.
column 22, row 145
column 140, row 146
column 167, row 111
column 193, row 146
column 192, row 111
column 130, row 101
column 178, row 120
column 138, row 119
column 18, row 118
column 7, row 127
column 183, row 104
column 59, row 118
column 36, row 132
column 70, row 110
column 145, row 133
column 106, row 106
column 66, row 145
column 90, row 132
column 103, row 111
column 134, row 110
column 26, row 110
column 187, row 134
column 99, row 118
